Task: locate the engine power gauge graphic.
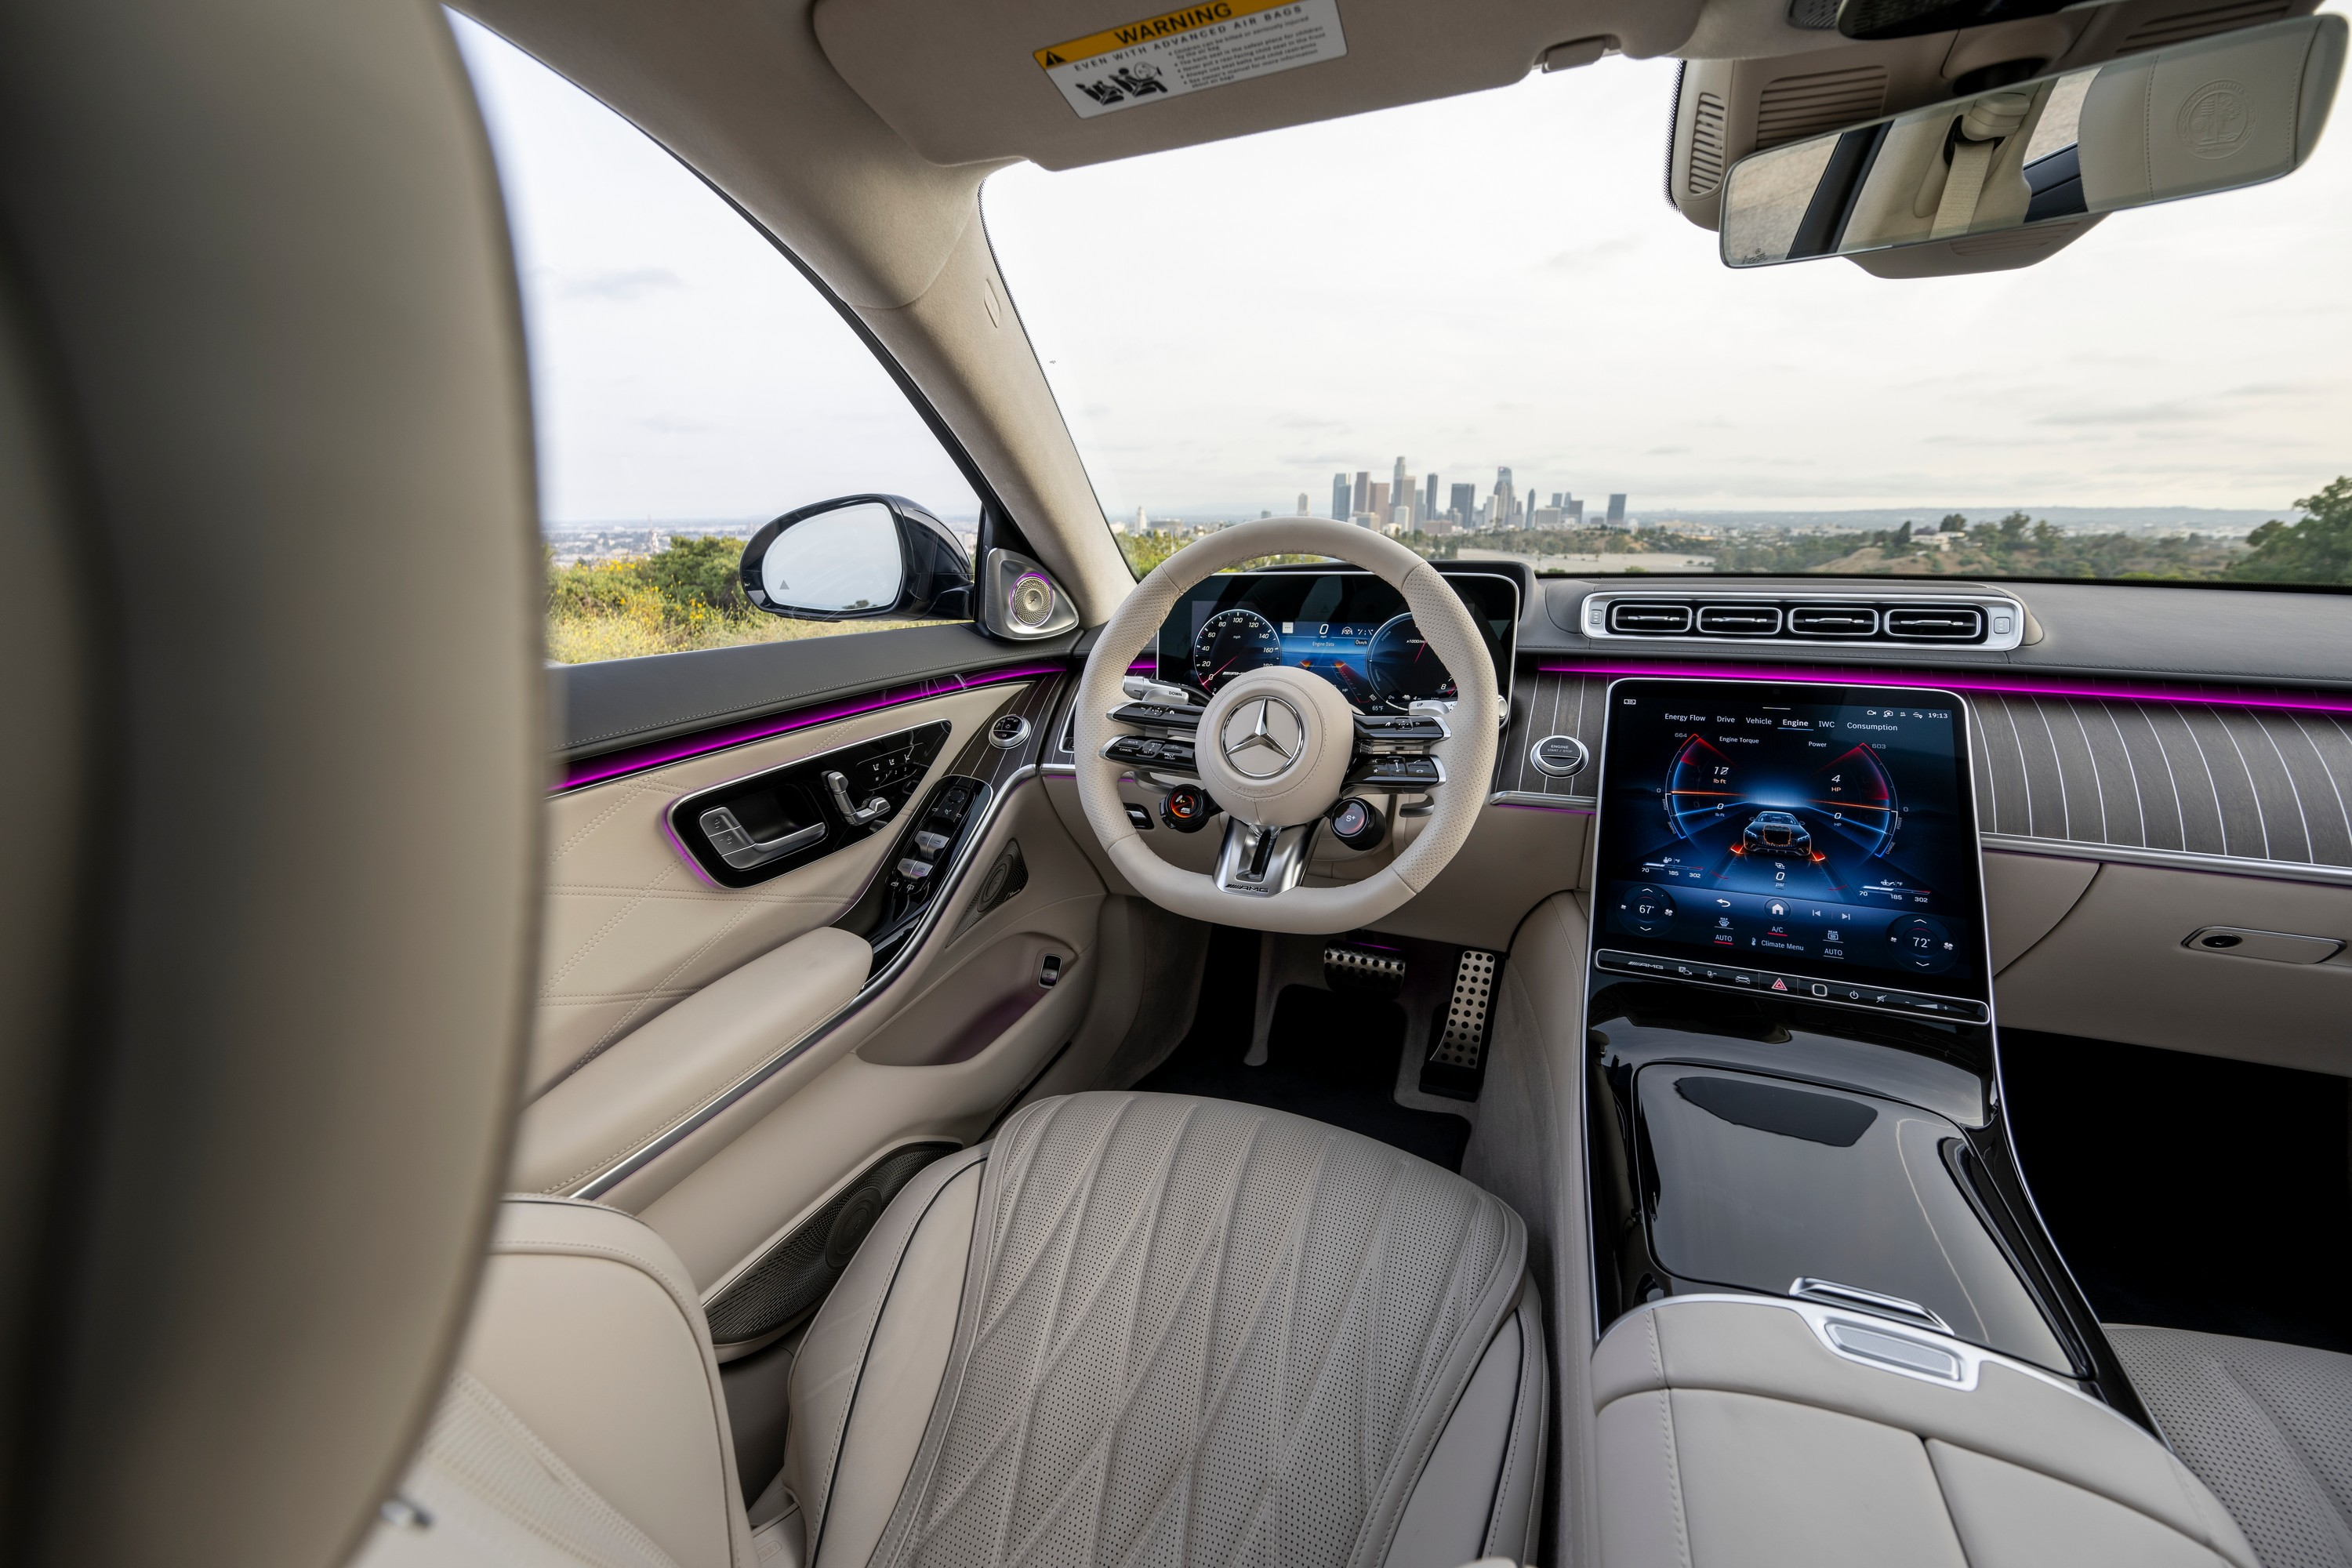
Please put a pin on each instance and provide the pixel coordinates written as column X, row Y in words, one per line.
column 1758, row 809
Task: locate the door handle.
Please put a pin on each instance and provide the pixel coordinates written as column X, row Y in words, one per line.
column 740, row 850
column 874, row 810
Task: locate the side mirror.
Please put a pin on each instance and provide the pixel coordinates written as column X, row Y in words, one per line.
column 855, row 557
column 2233, row 110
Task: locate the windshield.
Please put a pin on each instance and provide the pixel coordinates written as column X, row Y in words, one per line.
column 1479, row 324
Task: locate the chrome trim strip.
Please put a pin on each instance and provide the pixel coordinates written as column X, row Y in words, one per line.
column 1581, row 804
column 2174, row 859
column 662, row 1142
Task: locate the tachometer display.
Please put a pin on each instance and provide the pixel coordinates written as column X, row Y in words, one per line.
column 1404, row 669
column 1232, row 642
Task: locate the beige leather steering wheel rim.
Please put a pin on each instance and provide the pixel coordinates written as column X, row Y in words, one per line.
column 1467, row 755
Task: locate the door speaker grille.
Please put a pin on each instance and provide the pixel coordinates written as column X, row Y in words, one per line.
column 797, row 1271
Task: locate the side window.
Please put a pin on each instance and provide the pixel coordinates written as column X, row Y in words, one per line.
column 690, row 384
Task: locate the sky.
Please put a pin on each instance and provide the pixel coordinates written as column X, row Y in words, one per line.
column 1492, row 280
column 682, row 370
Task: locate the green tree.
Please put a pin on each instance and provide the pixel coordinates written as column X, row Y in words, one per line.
column 706, row 572
column 2315, row 549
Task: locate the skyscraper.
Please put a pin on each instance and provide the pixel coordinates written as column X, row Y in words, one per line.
column 1617, row 510
column 1429, row 512
column 1363, row 496
column 1465, row 505
column 1378, row 503
column 1341, row 497
column 1302, row 503
column 1503, row 501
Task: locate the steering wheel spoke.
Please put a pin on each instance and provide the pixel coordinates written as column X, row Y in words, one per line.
column 1261, row 862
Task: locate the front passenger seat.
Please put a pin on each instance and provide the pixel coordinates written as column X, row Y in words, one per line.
column 1132, row 1328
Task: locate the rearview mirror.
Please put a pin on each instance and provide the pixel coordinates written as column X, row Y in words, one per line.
column 2233, row 110
column 855, row 557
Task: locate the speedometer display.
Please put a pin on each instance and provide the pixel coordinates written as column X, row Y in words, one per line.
column 1232, row 642
column 1402, row 669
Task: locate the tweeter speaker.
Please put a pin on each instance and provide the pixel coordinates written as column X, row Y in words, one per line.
column 1023, row 601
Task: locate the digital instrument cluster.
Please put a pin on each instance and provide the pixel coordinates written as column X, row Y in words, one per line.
column 1793, row 840
column 1349, row 627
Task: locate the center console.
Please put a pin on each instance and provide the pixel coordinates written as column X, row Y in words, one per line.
column 1789, row 1011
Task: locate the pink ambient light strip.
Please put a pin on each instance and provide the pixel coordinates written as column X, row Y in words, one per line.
column 2121, row 691
column 637, row 760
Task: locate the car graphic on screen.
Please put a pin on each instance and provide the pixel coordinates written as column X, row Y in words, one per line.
column 1778, row 833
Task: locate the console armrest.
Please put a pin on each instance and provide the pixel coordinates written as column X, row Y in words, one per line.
column 1759, row 1431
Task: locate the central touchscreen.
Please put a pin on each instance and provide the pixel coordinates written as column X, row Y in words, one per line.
column 1811, row 840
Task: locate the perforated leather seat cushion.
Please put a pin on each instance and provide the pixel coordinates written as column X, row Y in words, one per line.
column 1196, row 1331
column 2267, row 1426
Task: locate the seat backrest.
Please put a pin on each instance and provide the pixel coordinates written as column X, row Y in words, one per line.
column 585, row 1423
column 1762, row 1431
column 268, row 874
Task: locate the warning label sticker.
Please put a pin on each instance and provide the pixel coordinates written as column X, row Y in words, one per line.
column 1183, row 51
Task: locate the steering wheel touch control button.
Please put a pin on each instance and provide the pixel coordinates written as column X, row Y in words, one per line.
column 1187, row 808
column 1355, row 823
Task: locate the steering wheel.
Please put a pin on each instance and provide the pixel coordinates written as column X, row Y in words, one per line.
column 1278, row 746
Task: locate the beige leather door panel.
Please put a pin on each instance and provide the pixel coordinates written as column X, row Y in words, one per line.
column 940, row 1054
column 632, row 928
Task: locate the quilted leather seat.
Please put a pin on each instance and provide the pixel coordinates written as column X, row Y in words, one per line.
column 1131, row 1329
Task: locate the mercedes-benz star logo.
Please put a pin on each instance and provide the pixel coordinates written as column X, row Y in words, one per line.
column 1262, row 737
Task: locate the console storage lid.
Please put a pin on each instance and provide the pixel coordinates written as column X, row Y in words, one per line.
column 1731, row 1431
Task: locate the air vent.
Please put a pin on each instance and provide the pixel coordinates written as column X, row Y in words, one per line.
column 1833, row 621
column 1706, row 145
column 2202, row 23
column 1962, row 622
column 1738, row 620
column 1991, row 621
column 1796, row 107
column 1650, row 620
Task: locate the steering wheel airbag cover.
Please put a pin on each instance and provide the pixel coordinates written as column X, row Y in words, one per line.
column 1468, row 756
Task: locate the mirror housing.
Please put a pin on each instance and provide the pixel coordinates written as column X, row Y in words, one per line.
column 856, row 558
column 2005, row 178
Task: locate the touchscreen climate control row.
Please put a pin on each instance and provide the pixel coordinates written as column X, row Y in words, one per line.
column 1766, row 982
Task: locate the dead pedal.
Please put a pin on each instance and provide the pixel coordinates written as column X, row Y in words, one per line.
column 1366, row 971
column 1457, row 1052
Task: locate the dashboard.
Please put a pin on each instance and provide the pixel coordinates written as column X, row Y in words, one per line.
column 1349, row 627
column 1817, row 840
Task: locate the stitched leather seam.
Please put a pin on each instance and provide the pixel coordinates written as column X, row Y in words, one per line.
column 614, row 1030
column 639, row 784
column 1667, row 1432
column 1516, row 1435
column 866, row 1339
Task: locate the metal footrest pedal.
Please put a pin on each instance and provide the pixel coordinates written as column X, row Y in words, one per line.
column 1457, row 1052
column 1364, row 970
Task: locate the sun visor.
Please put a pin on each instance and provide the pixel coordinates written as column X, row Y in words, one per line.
column 1066, row 82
